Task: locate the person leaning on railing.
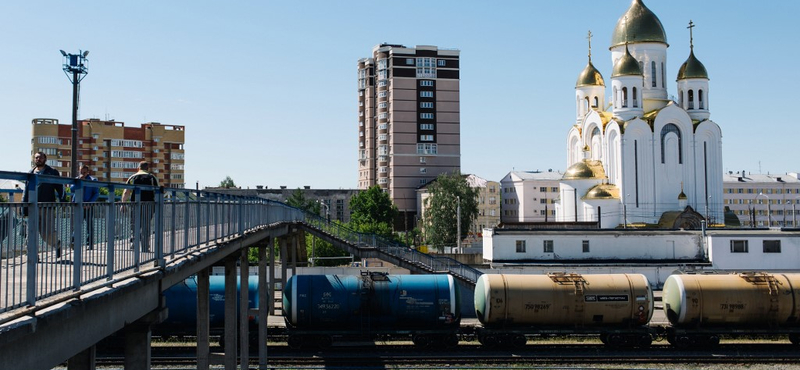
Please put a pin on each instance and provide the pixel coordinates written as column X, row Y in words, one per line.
column 143, row 177
column 90, row 194
column 46, row 193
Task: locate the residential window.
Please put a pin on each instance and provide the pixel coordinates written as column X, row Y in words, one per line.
column 426, row 115
column 739, row 246
column 554, row 189
column 410, row 61
column 426, row 104
column 426, row 83
column 382, row 94
column 543, row 201
column 423, row 170
column 547, row 246
column 382, row 83
column 543, row 189
column 383, row 104
column 772, row 246
column 422, row 160
column 426, row 126
column 426, row 94
column 585, row 246
column 440, row 62
column 520, row 246
column 425, row 137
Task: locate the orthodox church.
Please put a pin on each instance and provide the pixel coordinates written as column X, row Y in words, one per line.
column 642, row 158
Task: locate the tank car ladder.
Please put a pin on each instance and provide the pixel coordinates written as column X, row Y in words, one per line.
column 578, row 282
column 761, row 278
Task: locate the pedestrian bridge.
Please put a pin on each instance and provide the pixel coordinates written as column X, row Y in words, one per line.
column 59, row 298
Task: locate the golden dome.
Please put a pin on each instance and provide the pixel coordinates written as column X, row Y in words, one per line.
column 586, row 169
column 692, row 68
column 603, row 191
column 682, row 196
column 638, row 24
column 590, row 77
column 627, row 66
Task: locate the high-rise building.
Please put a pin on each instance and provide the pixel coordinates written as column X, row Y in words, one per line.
column 111, row 150
column 408, row 121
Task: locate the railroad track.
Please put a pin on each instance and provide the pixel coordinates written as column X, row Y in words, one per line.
column 471, row 355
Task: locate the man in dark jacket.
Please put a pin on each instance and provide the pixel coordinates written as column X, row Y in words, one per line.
column 46, row 193
column 148, row 206
column 90, row 195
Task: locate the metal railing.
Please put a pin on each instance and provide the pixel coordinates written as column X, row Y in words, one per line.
column 43, row 253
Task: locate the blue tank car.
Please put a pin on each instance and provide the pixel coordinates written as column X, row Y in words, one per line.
column 319, row 308
column 181, row 300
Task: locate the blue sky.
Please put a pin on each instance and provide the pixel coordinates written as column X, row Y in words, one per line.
column 267, row 89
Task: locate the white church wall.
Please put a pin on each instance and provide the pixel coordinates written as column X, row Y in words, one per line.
column 638, row 137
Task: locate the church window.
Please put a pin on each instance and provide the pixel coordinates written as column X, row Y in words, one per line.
column 700, row 99
column 596, row 103
column 690, row 97
column 666, row 130
column 616, row 98
column 680, row 98
column 586, row 105
column 663, row 75
column 653, row 73
column 635, row 102
column 624, row 97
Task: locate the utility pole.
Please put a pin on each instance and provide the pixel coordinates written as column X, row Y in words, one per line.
column 75, row 69
column 458, row 222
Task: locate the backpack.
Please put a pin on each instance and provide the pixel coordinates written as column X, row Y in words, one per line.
column 144, row 179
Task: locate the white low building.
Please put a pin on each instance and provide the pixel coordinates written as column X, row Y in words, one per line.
column 655, row 253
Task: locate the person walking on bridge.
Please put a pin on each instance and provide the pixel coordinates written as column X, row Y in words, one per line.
column 147, row 209
column 90, row 194
column 46, row 193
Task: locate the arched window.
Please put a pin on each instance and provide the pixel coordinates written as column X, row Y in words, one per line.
column 653, row 73
column 586, row 105
column 680, row 98
column 700, row 99
column 690, row 97
column 635, row 101
column 596, row 102
column 624, row 97
column 666, row 130
column 663, row 75
column 616, row 98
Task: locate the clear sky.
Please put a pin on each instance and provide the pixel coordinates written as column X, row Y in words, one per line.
column 267, row 89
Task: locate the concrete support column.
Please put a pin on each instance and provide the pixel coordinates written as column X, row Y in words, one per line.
column 244, row 314
column 203, row 323
column 271, row 277
column 137, row 346
column 85, row 360
column 283, row 241
column 264, row 296
column 230, row 314
column 295, row 246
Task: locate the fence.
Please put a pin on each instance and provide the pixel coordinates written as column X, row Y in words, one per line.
column 47, row 248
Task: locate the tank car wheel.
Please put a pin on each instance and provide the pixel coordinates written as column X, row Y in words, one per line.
column 644, row 340
column 615, row 340
column 450, row 340
column 295, row 341
column 324, row 341
column 518, row 341
column 488, row 341
column 794, row 338
column 712, row 341
column 421, row 341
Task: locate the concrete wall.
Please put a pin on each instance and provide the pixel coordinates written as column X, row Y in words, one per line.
column 755, row 258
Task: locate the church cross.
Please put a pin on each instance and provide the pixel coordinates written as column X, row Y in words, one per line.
column 691, row 39
column 589, row 37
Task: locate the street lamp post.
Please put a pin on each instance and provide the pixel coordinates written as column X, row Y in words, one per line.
column 75, row 69
column 458, row 223
column 769, row 209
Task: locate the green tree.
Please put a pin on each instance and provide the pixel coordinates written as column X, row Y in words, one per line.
column 441, row 207
column 227, row 183
column 372, row 211
column 298, row 200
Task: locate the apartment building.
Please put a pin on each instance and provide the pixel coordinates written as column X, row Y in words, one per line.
column 529, row 196
column 760, row 200
column 112, row 150
column 488, row 204
column 408, row 121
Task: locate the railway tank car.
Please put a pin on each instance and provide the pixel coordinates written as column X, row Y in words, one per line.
column 700, row 308
column 321, row 308
column 181, row 302
column 615, row 306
